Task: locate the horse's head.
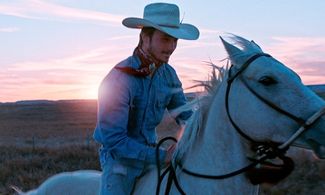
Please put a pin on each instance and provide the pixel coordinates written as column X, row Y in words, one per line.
column 273, row 103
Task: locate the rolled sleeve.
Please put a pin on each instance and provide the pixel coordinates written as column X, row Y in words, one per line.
column 178, row 98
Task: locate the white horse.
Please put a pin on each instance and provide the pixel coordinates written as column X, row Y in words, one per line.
column 260, row 101
column 82, row 182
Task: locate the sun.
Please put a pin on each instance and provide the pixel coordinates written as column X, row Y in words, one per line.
column 91, row 92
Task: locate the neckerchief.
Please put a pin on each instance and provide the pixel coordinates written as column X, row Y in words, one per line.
column 147, row 66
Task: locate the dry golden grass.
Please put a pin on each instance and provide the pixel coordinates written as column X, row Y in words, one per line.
column 27, row 167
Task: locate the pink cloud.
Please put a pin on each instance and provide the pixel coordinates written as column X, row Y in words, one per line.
column 90, row 60
column 44, row 78
column 46, row 84
column 16, row 10
column 305, row 55
column 36, row 9
column 298, row 46
column 9, row 29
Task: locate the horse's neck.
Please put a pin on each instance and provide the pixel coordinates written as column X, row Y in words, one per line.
column 218, row 150
column 218, row 137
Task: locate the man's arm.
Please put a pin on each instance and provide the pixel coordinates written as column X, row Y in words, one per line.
column 113, row 113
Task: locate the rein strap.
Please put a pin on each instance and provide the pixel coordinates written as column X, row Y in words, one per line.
column 310, row 121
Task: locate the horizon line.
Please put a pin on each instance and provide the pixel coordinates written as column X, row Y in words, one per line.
column 313, row 87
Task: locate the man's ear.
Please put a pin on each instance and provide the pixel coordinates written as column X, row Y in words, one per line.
column 144, row 41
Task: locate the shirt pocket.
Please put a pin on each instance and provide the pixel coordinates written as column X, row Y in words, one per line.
column 162, row 100
column 136, row 111
column 119, row 169
column 159, row 110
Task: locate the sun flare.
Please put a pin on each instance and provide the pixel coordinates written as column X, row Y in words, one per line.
column 91, row 92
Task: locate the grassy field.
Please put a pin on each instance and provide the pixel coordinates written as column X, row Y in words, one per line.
column 27, row 167
column 39, row 139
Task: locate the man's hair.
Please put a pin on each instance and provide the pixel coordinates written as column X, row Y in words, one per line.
column 148, row 31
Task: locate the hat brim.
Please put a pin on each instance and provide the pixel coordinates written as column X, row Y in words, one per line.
column 183, row 31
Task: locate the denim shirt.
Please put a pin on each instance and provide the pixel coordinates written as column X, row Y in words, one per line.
column 130, row 108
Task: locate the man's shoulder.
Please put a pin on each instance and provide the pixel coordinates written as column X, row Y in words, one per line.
column 170, row 69
column 115, row 75
column 131, row 61
column 171, row 74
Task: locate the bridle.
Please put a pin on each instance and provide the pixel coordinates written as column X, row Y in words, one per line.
column 265, row 151
column 304, row 124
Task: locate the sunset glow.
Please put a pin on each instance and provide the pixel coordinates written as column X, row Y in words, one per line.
column 62, row 49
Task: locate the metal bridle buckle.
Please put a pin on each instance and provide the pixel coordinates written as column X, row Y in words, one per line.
column 263, row 149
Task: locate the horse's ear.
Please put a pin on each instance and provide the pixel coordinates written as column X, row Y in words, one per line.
column 233, row 51
column 255, row 44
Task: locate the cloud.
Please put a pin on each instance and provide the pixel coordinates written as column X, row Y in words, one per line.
column 88, row 60
column 301, row 48
column 48, row 84
column 45, row 79
column 9, row 29
column 41, row 10
column 305, row 55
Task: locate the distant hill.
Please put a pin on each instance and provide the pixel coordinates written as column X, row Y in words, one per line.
column 34, row 102
column 48, row 102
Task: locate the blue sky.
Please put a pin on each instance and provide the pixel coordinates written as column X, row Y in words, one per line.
column 61, row 49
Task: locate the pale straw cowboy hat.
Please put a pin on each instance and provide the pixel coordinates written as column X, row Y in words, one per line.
column 163, row 17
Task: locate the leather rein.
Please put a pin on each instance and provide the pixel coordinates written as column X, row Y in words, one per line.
column 264, row 150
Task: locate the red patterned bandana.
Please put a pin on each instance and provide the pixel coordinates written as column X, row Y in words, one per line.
column 148, row 64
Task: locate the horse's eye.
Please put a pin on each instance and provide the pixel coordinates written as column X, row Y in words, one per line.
column 267, row 80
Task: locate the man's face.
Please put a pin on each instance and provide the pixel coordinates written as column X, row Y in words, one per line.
column 161, row 45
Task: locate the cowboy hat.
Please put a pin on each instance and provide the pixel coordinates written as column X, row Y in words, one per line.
column 163, row 17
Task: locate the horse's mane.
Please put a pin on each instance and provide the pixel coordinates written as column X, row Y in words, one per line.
column 201, row 104
column 200, row 108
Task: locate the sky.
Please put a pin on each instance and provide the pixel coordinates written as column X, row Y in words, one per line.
column 62, row 49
